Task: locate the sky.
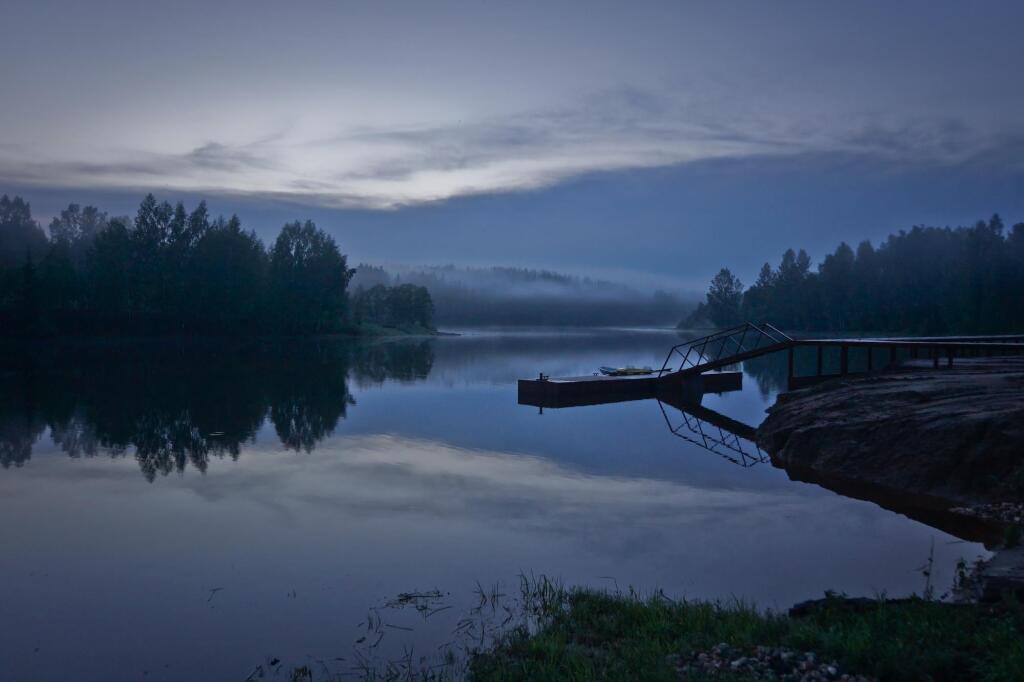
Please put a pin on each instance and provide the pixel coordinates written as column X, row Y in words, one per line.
column 646, row 142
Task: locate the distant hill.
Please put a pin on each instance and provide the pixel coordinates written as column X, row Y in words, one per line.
column 520, row 296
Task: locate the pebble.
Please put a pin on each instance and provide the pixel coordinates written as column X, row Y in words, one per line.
column 1006, row 512
column 762, row 663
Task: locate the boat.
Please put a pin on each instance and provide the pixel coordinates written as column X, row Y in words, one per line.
column 625, row 371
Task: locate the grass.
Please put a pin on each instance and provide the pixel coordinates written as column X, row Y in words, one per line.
column 586, row 634
column 1012, row 536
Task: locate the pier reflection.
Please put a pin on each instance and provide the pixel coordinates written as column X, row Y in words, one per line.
column 714, row 432
column 679, row 402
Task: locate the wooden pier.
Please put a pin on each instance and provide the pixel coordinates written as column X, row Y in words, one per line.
column 729, row 347
column 879, row 354
column 707, row 364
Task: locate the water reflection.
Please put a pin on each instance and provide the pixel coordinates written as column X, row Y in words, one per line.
column 770, row 373
column 714, row 432
column 434, row 479
column 172, row 406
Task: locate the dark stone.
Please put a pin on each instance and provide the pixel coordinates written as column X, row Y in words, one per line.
column 955, row 435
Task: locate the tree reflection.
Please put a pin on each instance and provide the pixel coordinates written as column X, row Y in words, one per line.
column 771, row 372
column 172, row 405
column 306, row 405
column 19, row 430
column 404, row 360
column 22, row 419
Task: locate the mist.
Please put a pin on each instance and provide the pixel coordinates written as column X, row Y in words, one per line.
column 522, row 296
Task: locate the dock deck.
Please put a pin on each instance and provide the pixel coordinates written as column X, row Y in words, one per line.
column 598, row 389
column 702, row 361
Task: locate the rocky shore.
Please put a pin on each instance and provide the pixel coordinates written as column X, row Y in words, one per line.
column 951, row 436
column 944, row 446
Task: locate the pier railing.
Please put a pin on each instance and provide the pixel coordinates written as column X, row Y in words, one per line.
column 748, row 341
column 725, row 347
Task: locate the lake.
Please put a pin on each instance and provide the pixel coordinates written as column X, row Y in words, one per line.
column 178, row 512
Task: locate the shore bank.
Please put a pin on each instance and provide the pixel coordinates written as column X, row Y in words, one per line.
column 952, row 436
column 585, row 635
column 369, row 330
column 360, row 332
column 944, row 446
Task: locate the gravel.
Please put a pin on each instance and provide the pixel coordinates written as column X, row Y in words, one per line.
column 761, row 663
column 1004, row 512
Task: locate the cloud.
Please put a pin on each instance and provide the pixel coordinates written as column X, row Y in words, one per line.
column 220, row 157
column 394, row 479
column 388, row 166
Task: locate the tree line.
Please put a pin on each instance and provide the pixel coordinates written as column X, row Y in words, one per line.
column 393, row 306
column 928, row 280
column 169, row 270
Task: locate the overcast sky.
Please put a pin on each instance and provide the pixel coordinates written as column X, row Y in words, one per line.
column 654, row 141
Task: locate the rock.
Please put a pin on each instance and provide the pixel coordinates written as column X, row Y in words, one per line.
column 955, row 435
column 1002, row 574
column 760, row 663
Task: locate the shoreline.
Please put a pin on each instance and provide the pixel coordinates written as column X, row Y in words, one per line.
column 943, row 447
column 582, row 634
column 365, row 332
column 948, row 437
column 895, row 445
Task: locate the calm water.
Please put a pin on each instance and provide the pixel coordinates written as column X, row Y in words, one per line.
column 170, row 513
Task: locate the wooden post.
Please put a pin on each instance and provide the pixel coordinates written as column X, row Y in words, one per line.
column 790, row 360
column 844, row 360
column 935, row 357
column 819, row 360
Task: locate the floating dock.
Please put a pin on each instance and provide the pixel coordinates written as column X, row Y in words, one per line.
column 599, row 389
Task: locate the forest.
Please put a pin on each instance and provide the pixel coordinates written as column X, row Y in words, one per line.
column 171, row 271
column 928, row 280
